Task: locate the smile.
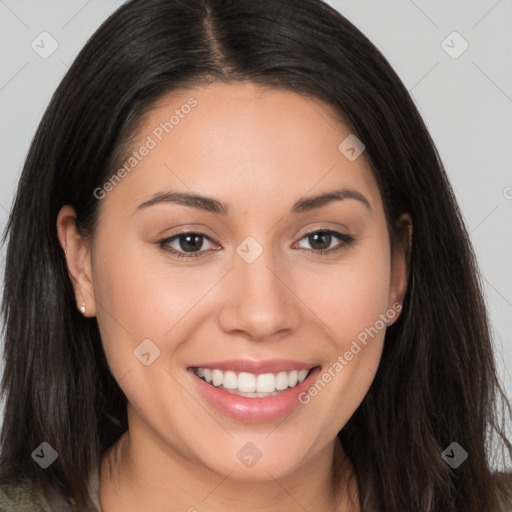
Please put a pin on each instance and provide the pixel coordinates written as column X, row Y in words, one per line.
column 252, row 385
column 252, row 391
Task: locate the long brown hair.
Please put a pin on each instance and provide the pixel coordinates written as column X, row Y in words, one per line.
column 437, row 381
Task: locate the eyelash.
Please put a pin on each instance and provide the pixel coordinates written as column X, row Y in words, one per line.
column 346, row 239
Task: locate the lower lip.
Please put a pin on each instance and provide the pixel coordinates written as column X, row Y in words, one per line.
column 246, row 409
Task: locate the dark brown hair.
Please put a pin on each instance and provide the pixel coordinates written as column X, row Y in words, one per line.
column 437, row 381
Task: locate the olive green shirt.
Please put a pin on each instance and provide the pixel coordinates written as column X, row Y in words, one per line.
column 23, row 498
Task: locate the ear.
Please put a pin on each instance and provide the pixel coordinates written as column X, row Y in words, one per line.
column 78, row 257
column 400, row 264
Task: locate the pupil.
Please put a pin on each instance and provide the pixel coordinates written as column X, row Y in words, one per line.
column 316, row 236
column 193, row 241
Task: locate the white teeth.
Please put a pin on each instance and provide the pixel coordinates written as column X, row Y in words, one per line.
column 302, row 375
column 217, row 377
column 249, row 384
column 246, row 382
column 281, row 381
column 230, row 380
column 292, row 379
column 266, row 383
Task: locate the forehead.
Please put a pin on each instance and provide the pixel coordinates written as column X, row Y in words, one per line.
column 244, row 144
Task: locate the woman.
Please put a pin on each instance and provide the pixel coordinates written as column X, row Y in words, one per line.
column 237, row 278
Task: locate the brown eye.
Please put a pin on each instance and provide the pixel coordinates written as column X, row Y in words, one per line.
column 186, row 245
column 320, row 241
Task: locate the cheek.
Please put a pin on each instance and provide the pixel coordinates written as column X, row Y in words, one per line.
column 129, row 308
column 356, row 297
column 140, row 296
column 363, row 297
column 351, row 296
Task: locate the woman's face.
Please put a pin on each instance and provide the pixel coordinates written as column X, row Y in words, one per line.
column 255, row 296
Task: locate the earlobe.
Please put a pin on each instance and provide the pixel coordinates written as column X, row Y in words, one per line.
column 400, row 263
column 78, row 258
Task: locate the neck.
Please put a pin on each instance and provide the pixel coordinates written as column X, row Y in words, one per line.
column 140, row 475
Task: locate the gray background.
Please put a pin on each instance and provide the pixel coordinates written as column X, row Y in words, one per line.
column 465, row 101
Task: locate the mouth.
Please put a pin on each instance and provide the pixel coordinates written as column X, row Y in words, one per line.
column 253, row 391
column 251, row 385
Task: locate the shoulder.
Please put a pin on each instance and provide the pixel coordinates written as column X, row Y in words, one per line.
column 21, row 497
column 503, row 482
column 18, row 497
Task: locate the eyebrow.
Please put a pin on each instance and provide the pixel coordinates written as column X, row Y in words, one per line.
column 211, row 205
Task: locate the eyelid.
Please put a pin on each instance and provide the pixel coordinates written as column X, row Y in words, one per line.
column 344, row 241
column 163, row 244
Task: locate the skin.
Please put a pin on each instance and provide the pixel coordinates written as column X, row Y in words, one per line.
column 259, row 151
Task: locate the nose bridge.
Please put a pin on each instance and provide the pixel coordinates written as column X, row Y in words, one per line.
column 260, row 303
column 259, row 280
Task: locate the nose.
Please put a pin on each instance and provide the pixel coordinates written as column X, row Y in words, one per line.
column 258, row 301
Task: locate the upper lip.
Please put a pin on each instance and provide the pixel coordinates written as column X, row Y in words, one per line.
column 256, row 367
